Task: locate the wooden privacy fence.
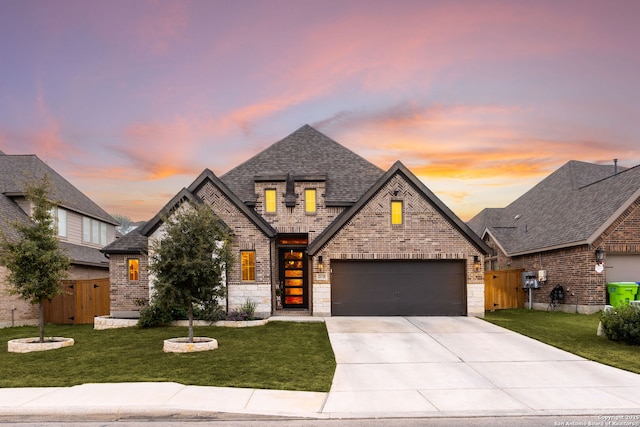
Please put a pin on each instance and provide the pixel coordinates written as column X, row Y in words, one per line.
column 503, row 289
column 81, row 302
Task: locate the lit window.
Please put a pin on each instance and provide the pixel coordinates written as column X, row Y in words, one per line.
column 134, row 270
column 270, row 201
column 310, row 200
column 248, row 266
column 396, row 212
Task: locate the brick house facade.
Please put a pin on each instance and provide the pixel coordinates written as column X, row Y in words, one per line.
column 305, row 203
column 558, row 225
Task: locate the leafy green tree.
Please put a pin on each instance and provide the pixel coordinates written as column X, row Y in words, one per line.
column 35, row 261
column 189, row 263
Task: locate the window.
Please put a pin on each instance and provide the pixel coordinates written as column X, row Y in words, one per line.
column 134, row 269
column 270, row 201
column 86, row 229
column 61, row 222
column 310, row 200
column 59, row 217
column 94, row 231
column 396, row 212
column 248, row 266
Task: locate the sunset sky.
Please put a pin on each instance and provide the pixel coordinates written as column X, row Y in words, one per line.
column 131, row 100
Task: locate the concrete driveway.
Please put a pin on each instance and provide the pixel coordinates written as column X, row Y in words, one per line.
column 430, row 366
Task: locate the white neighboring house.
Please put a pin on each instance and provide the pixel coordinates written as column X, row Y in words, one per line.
column 83, row 228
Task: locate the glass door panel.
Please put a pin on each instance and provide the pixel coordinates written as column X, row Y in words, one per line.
column 293, row 278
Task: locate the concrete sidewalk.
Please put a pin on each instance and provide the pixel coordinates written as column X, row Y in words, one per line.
column 386, row 367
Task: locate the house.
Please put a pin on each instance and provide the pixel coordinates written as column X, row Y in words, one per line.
column 319, row 230
column 82, row 226
column 580, row 227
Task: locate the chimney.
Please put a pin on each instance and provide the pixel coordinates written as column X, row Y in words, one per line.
column 615, row 166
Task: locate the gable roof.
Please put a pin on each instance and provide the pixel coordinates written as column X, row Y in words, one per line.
column 136, row 241
column 572, row 206
column 307, row 152
column 15, row 170
column 398, row 168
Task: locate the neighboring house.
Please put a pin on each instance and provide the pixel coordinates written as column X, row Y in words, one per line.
column 82, row 226
column 558, row 226
column 319, row 230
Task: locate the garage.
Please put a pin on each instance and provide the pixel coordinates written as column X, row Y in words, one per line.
column 398, row 288
column 623, row 268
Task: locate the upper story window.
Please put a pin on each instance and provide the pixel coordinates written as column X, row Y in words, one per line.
column 270, row 201
column 59, row 217
column 134, row 269
column 310, row 200
column 94, row 231
column 396, row 212
column 248, row 265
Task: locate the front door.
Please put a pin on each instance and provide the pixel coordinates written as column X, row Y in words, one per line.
column 293, row 278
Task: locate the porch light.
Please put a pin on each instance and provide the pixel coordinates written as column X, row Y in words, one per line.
column 320, row 265
column 476, row 263
column 599, row 255
column 320, row 259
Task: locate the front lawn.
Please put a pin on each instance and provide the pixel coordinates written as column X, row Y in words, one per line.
column 279, row 355
column 575, row 333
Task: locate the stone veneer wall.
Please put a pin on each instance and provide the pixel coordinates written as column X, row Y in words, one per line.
column 424, row 234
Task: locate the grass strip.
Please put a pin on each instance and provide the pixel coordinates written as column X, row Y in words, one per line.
column 575, row 333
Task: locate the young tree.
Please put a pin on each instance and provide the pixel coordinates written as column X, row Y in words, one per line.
column 189, row 262
column 35, row 261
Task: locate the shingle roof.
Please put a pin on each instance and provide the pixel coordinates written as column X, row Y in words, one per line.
column 132, row 242
column 15, row 170
column 10, row 212
column 569, row 207
column 307, row 152
column 83, row 255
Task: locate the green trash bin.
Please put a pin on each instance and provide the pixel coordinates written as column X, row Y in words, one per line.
column 621, row 292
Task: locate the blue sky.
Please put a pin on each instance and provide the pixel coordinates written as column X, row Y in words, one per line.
column 130, row 101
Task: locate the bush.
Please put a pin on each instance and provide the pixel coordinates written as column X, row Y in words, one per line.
column 156, row 314
column 153, row 315
column 622, row 324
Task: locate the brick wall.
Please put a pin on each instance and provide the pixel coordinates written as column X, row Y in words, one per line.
column 623, row 236
column 126, row 294
column 247, row 236
column 295, row 219
column 425, row 234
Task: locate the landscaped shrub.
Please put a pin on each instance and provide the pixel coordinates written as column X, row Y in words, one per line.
column 154, row 315
column 622, row 324
column 245, row 312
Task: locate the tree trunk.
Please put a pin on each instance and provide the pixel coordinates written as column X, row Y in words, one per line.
column 190, row 321
column 41, row 319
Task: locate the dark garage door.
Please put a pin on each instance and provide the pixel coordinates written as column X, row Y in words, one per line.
column 398, row 288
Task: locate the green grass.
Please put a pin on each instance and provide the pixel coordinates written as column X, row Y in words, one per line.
column 575, row 333
column 279, row 355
